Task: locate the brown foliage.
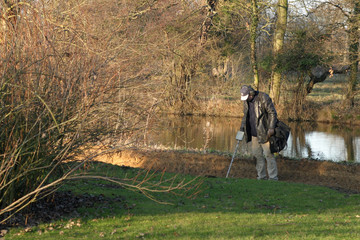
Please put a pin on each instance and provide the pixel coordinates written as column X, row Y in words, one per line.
column 73, row 75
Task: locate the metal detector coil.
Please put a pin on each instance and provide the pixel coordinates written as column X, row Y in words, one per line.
column 239, row 137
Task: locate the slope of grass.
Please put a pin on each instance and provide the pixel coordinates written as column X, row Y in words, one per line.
column 223, row 209
column 331, row 90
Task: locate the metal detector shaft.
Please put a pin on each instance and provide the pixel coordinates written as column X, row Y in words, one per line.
column 237, row 145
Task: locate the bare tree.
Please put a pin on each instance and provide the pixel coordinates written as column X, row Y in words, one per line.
column 342, row 17
column 253, row 37
column 278, row 42
column 354, row 36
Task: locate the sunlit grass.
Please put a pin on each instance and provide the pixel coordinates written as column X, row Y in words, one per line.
column 331, row 90
column 224, row 209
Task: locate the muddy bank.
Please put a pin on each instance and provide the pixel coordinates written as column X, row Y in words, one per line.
column 339, row 176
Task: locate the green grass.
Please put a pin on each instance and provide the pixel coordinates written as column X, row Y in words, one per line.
column 331, row 90
column 224, row 209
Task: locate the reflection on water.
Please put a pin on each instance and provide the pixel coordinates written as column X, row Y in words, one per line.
column 307, row 140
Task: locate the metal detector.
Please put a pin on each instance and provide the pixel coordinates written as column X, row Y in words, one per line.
column 239, row 137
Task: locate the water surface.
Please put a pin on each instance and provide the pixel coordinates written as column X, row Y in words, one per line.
column 307, row 140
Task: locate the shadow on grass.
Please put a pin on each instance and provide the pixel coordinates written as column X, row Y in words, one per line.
column 214, row 195
column 220, row 209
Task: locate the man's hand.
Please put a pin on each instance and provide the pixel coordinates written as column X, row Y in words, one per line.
column 270, row 132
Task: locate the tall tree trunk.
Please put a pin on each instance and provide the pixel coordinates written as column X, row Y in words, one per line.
column 354, row 24
column 349, row 144
column 208, row 21
column 279, row 34
column 253, row 36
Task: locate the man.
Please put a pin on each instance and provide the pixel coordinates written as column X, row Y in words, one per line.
column 258, row 124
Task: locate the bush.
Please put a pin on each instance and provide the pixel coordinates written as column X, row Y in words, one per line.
column 51, row 104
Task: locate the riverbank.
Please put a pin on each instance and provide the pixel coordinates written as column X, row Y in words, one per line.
column 311, row 111
column 343, row 177
column 325, row 104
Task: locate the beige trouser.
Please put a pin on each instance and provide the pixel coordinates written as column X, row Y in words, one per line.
column 262, row 152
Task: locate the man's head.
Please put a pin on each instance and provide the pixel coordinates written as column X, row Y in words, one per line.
column 247, row 92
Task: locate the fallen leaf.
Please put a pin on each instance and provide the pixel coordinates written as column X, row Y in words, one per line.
column 3, row 232
column 141, row 235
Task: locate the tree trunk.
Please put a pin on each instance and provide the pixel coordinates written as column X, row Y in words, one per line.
column 279, row 34
column 354, row 23
column 253, row 36
column 186, row 74
column 350, row 150
column 208, row 21
column 299, row 97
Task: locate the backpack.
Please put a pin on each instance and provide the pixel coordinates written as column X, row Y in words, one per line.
column 278, row 141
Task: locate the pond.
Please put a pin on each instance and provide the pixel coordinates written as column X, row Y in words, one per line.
column 319, row 141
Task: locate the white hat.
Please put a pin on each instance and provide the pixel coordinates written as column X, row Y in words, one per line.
column 245, row 91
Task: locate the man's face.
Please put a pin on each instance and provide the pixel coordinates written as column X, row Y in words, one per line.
column 251, row 97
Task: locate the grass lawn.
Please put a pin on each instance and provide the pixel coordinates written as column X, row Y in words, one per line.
column 331, row 90
column 223, row 209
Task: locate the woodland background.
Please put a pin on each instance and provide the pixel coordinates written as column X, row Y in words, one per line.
column 82, row 73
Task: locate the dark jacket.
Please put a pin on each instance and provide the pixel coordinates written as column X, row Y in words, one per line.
column 266, row 117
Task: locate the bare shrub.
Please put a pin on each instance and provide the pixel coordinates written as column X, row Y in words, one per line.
column 70, row 80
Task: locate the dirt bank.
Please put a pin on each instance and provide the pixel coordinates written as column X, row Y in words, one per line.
column 343, row 177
